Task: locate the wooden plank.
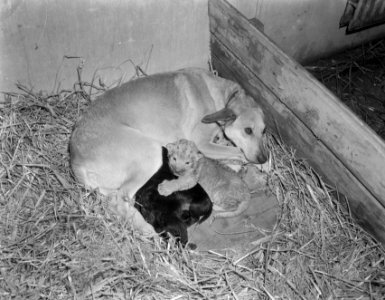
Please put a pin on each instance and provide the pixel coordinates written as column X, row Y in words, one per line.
column 308, row 116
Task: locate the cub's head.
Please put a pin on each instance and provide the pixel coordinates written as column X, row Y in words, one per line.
column 183, row 156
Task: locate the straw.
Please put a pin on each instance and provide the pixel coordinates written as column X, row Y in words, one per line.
column 59, row 241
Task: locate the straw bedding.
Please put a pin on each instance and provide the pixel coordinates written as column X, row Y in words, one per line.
column 59, row 241
column 357, row 77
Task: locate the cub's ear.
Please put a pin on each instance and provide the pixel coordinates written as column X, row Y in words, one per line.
column 199, row 155
column 182, row 141
column 170, row 148
column 192, row 145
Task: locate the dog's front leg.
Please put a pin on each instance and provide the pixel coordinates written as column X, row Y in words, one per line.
column 205, row 134
column 123, row 207
column 217, row 151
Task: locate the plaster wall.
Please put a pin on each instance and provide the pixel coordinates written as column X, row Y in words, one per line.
column 306, row 29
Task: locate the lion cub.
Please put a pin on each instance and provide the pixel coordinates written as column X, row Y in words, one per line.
column 228, row 192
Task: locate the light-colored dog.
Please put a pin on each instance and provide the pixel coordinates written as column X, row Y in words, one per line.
column 116, row 145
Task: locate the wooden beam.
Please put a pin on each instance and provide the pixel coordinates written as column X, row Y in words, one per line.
column 309, row 117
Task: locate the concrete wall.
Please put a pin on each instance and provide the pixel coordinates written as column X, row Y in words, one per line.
column 158, row 35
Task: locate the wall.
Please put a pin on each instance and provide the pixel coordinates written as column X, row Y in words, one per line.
column 158, row 35
column 306, row 29
column 109, row 36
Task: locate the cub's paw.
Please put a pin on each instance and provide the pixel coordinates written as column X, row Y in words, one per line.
column 165, row 188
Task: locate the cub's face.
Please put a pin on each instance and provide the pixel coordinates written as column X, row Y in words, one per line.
column 183, row 157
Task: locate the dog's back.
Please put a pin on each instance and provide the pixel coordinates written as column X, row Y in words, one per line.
column 144, row 113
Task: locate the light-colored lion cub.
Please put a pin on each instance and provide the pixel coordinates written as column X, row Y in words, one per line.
column 228, row 192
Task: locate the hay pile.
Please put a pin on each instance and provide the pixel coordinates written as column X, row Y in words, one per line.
column 357, row 77
column 58, row 241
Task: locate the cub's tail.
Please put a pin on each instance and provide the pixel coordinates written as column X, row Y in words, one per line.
column 233, row 213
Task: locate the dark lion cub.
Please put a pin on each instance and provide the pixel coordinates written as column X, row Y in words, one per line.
column 173, row 213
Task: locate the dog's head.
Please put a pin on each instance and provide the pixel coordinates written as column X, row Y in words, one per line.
column 243, row 123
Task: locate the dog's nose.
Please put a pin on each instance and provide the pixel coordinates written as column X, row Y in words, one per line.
column 262, row 157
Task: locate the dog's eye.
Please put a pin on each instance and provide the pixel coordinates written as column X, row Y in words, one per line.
column 248, row 130
column 264, row 131
column 187, row 162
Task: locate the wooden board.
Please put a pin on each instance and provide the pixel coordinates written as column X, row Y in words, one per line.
column 304, row 113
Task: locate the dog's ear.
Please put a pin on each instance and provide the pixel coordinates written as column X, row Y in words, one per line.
column 224, row 115
column 232, row 96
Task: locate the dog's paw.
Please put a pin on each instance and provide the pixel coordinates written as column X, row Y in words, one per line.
column 165, row 188
column 146, row 229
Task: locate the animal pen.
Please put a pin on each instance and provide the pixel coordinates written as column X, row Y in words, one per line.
column 318, row 219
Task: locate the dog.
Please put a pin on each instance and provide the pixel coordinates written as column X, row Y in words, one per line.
column 174, row 213
column 116, row 144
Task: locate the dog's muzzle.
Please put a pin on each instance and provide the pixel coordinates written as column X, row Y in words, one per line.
column 262, row 157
